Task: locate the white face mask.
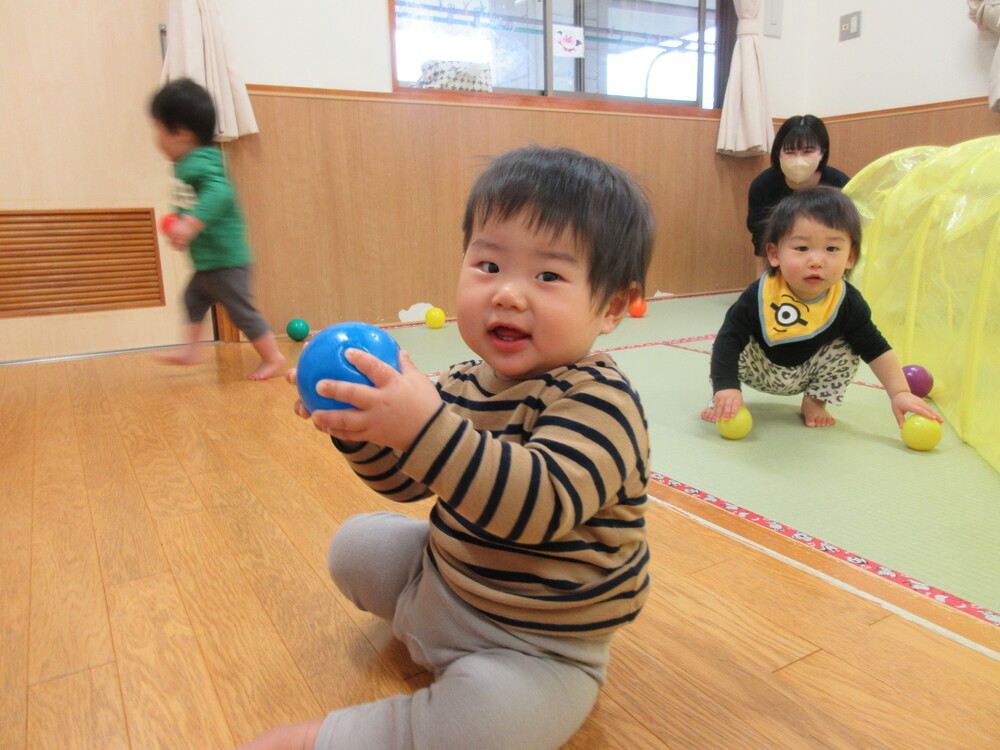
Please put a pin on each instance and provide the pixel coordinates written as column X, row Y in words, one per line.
column 798, row 169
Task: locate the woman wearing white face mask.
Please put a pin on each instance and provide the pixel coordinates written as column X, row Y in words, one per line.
column 798, row 160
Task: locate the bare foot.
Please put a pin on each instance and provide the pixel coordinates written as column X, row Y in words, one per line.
column 814, row 413
column 186, row 355
column 708, row 414
column 267, row 369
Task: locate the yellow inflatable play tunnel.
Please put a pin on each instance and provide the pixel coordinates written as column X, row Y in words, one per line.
column 929, row 271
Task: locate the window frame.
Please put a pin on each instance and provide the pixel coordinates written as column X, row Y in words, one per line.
column 725, row 41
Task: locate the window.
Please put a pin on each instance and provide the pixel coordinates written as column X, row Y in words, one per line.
column 668, row 51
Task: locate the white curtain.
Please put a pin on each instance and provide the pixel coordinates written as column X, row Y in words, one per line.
column 746, row 128
column 196, row 49
column 986, row 14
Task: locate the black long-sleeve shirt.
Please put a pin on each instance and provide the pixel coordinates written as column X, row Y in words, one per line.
column 852, row 323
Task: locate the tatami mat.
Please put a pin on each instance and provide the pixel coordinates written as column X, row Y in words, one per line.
column 930, row 521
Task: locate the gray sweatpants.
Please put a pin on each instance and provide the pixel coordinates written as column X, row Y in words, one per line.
column 494, row 689
column 230, row 287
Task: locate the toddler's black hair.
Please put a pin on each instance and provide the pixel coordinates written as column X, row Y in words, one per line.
column 185, row 104
column 827, row 205
column 559, row 189
column 799, row 132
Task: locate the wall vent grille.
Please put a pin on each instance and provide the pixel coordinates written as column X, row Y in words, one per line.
column 60, row 261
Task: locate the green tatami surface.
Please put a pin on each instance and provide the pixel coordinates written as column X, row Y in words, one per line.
column 927, row 518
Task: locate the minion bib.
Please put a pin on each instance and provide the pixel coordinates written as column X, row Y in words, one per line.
column 784, row 318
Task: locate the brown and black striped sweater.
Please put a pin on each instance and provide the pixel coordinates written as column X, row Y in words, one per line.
column 541, row 488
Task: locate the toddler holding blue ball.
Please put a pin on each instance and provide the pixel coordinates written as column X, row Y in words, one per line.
column 537, row 456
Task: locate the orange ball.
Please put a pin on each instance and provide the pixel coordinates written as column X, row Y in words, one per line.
column 638, row 308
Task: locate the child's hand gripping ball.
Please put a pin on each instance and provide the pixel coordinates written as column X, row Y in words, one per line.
column 323, row 359
column 737, row 427
column 167, row 222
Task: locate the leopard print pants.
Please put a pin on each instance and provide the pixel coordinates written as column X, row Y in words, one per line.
column 824, row 376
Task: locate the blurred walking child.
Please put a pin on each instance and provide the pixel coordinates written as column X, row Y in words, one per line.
column 209, row 225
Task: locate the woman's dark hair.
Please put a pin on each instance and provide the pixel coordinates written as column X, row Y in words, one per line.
column 798, row 132
column 185, row 104
column 559, row 189
column 827, row 205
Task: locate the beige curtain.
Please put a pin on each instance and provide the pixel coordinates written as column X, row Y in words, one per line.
column 745, row 128
column 196, row 49
column 986, row 14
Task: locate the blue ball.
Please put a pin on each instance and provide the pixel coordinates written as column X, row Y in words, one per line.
column 323, row 359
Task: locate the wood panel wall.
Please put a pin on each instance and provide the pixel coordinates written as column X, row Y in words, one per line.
column 75, row 83
column 857, row 140
column 354, row 202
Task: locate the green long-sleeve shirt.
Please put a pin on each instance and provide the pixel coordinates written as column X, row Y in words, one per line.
column 201, row 188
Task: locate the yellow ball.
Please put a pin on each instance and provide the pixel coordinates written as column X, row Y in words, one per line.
column 434, row 317
column 921, row 433
column 737, row 427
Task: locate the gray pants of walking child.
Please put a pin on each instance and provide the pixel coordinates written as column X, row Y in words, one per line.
column 494, row 689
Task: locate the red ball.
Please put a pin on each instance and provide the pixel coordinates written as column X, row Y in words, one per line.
column 167, row 222
column 638, row 308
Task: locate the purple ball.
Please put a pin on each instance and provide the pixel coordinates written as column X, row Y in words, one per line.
column 919, row 380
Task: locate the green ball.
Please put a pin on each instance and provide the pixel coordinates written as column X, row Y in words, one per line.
column 297, row 329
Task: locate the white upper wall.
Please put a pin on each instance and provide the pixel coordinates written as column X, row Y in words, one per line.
column 910, row 52
column 327, row 44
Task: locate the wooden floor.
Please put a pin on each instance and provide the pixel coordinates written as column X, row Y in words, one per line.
column 163, row 585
